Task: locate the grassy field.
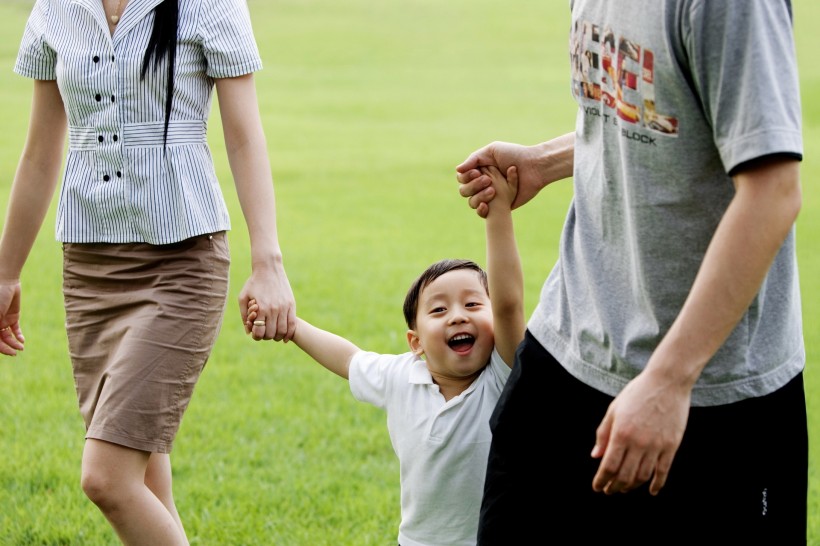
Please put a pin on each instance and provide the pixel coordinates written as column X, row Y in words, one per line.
column 367, row 107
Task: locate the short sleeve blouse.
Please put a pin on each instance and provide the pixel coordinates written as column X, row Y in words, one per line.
column 121, row 184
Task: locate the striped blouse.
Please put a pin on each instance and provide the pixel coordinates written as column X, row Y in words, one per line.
column 120, row 185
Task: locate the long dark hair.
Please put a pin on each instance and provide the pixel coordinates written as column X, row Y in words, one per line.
column 163, row 42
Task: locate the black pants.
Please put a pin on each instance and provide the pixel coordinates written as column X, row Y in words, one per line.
column 739, row 477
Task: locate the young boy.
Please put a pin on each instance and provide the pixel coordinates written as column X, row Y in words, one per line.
column 464, row 327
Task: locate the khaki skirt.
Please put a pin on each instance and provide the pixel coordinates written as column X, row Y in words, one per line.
column 141, row 322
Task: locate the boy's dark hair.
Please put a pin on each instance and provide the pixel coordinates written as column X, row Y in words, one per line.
column 163, row 41
column 411, row 300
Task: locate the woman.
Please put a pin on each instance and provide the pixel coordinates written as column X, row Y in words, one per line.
column 142, row 221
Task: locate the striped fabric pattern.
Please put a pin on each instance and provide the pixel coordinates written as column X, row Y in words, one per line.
column 120, row 185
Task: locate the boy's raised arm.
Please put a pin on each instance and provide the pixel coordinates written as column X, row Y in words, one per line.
column 504, row 272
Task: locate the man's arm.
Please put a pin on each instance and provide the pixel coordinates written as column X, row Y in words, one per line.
column 644, row 425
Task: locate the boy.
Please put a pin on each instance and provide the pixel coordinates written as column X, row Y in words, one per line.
column 463, row 329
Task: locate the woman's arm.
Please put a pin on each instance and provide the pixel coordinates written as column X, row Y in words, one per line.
column 248, row 156
column 31, row 193
column 35, row 180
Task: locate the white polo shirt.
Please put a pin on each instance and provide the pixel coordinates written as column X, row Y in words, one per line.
column 442, row 446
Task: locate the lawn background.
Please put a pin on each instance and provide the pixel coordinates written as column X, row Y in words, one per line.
column 367, row 108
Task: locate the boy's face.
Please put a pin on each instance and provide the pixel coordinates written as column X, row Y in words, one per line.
column 454, row 325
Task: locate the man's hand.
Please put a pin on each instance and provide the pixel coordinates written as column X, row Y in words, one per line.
column 640, row 434
column 537, row 166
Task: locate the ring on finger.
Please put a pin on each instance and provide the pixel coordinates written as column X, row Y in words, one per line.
column 259, row 323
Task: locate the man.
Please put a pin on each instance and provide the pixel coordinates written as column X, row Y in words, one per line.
column 658, row 395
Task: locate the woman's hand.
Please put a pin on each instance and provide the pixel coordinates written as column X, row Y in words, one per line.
column 11, row 335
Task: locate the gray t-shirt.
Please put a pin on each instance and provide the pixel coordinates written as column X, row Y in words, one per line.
column 672, row 95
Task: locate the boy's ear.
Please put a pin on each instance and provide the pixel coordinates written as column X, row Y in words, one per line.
column 414, row 342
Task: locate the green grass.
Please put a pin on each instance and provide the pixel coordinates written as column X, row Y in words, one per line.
column 367, row 108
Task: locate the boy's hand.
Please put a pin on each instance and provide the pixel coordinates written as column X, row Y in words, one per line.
column 477, row 186
column 253, row 312
column 505, row 189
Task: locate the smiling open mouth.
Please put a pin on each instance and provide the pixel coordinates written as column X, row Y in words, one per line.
column 461, row 342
